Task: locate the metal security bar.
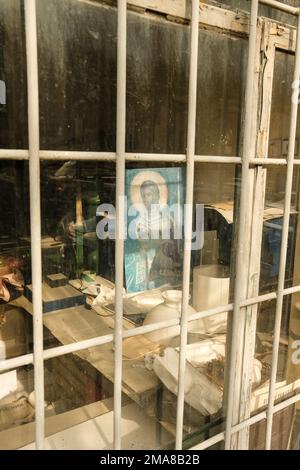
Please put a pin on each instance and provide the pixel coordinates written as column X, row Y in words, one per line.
column 34, row 155
column 188, row 217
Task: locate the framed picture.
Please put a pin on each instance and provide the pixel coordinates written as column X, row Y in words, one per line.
column 155, row 201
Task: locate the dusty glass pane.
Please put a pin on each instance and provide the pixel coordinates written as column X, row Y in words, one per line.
column 13, row 101
column 263, row 9
column 79, row 398
column 272, row 231
column 270, row 259
column 152, row 294
column 77, row 56
column 281, row 432
column 16, row 331
column 219, row 446
column 78, row 261
column 281, row 106
column 15, row 260
column 215, row 190
column 295, row 441
column 153, row 281
column 158, row 89
column 157, row 84
column 78, row 403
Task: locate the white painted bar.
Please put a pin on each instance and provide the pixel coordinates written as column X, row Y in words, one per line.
column 243, row 221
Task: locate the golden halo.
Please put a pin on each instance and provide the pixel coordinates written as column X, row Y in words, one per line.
column 140, row 178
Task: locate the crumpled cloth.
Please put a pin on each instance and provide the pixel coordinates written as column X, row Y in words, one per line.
column 11, row 285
